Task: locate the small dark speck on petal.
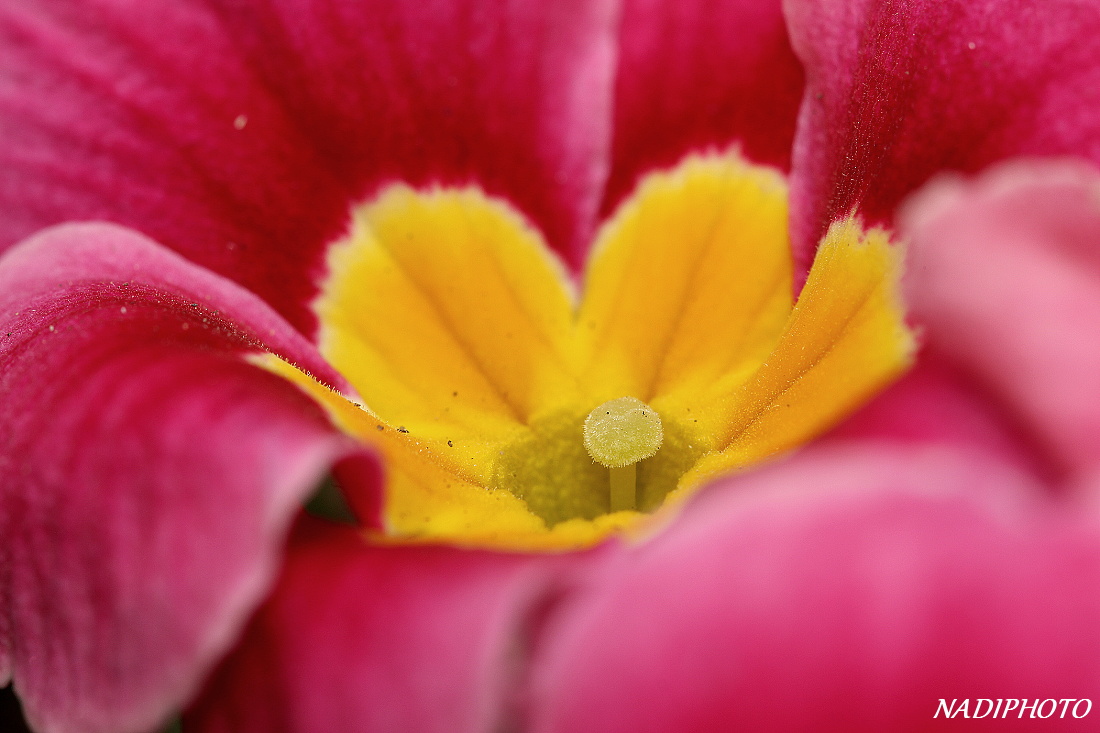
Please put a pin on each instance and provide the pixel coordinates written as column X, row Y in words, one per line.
column 402, row 429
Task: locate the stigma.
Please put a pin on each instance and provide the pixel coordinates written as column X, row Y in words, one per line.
column 618, row 434
column 622, row 431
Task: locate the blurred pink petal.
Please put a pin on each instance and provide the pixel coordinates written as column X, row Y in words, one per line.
column 939, row 402
column 361, row 638
column 152, row 473
column 1005, row 273
column 847, row 589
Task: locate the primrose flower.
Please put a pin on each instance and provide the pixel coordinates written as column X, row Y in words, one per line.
column 587, row 319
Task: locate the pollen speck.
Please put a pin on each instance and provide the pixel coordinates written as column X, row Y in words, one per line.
column 622, row 431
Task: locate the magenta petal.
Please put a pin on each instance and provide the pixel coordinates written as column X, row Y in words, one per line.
column 701, row 74
column 842, row 590
column 940, row 402
column 123, row 112
column 240, row 133
column 1005, row 276
column 897, row 90
column 359, row 638
column 514, row 96
column 147, row 473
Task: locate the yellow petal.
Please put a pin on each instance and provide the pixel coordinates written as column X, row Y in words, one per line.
column 690, row 283
column 447, row 314
column 431, row 496
column 845, row 340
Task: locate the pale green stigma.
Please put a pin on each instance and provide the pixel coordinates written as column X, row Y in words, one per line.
column 618, row 434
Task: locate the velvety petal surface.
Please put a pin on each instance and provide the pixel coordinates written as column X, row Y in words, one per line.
column 149, row 473
column 846, row 589
column 697, row 75
column 1005, row 274
column 900, row 89
column 360, row 638
column 239, row 133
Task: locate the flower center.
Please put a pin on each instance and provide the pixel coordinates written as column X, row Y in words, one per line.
column 572, row 466
column 512, row 413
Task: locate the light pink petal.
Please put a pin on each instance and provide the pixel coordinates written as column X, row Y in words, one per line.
column 697, row 75
column 147, row 473
column 1004, row 274
column 240, row 133
column 359, row 638
column 844, row 590
column 900, row 89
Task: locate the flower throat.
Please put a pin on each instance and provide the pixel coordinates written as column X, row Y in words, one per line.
column 513, row 413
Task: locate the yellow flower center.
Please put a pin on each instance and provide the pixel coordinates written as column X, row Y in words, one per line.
column 513, row 414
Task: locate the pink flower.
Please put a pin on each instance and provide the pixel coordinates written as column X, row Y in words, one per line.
column 941, row 543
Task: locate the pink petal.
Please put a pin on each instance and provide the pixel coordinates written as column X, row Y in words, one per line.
column 147, row 473
column 697, row 75
column 897, row 90
column 515, row 96
column 842, row 590
column 939, row 402
column 239, row 134
column 361, row 638
column 1005, row 275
